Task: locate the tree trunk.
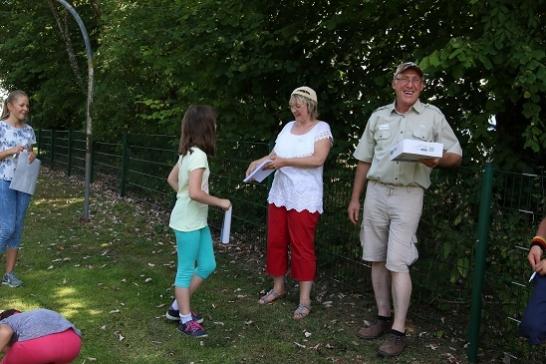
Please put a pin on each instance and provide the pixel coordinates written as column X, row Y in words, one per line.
column 96, row 8
column 65, row 35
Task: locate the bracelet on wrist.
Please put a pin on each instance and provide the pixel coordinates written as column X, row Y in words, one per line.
column 539, row 241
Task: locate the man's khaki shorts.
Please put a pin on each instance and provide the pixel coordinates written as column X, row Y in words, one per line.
column 391, row 217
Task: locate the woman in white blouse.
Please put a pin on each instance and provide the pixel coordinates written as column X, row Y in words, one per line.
column 295, row 198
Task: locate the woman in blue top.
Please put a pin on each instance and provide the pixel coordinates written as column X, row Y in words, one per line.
column 15, row 136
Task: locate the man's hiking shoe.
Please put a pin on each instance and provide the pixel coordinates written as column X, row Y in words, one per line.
column 375, row 330
column 392, row 346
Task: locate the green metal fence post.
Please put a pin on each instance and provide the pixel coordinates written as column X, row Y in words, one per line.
column 52, row 157
column 124, row 164
column 39, row 143
column 479, row 263
column 69, row 164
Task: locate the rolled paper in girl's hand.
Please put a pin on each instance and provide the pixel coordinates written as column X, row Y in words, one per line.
column 226, row 227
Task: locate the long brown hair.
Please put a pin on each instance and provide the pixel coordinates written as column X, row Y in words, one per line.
column 198, row 129
column 12, row 96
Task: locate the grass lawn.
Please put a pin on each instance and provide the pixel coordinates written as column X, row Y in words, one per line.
column 112, row 277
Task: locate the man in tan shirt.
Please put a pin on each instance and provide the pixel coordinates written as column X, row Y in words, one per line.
column 394, row 198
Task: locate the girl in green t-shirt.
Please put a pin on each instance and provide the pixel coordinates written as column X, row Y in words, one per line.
column 189, row 178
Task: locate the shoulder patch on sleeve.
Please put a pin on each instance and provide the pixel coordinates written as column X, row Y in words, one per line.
column 432, row 108
column 381, row 108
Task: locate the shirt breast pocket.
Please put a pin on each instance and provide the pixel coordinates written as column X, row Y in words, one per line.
column 383, row 140
column 421, row 133
column 383, row 135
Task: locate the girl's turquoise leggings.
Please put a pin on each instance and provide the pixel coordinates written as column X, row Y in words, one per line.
column 195, row 256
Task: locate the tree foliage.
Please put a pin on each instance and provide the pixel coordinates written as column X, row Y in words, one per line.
column 33, row 57
column 154, row 58
column 497, row 67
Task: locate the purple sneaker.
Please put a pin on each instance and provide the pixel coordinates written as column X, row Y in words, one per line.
column 192, row 328
column 174, row 315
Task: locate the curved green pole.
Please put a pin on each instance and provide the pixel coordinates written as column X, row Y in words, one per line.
column 88, row 124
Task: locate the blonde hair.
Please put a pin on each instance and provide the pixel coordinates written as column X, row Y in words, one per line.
column 312, row 107
column 12, row 96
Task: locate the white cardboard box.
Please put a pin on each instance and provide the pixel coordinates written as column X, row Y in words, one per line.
column 412, row 149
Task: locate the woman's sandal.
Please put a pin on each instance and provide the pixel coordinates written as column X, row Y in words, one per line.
column 302, row 311
column 271, row 297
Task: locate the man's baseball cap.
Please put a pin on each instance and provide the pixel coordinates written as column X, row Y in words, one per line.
column 307, row 92
column 406, row 66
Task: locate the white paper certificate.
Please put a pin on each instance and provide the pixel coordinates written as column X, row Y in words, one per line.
column 259, row 173
column 226, row 227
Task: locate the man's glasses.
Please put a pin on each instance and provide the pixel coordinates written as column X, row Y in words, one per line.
column 407, row 80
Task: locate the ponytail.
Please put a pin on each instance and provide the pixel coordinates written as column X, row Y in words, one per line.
column 5, row 112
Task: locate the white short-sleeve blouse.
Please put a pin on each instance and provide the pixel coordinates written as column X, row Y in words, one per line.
column 293, row 187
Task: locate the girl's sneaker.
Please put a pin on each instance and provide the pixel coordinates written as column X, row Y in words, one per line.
column 174, row 315
column 192, row 328
column 11, row 280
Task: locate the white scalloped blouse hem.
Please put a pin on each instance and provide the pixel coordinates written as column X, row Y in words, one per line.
column 297, row 208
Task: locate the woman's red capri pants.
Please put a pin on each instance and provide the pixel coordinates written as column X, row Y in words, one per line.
column 297, row 230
